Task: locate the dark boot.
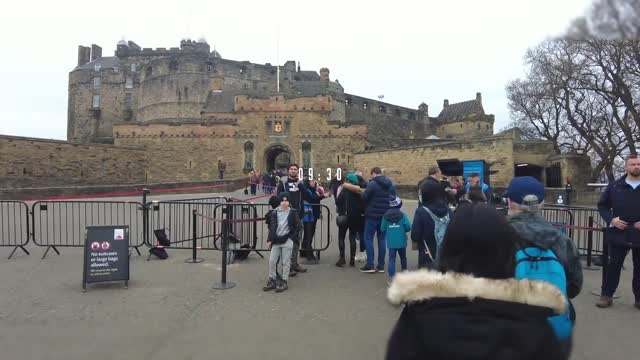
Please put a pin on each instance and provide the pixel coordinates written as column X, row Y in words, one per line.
column 341, row 262
column 271, row 284
column 604, row 302
column 298, row 268
column 282, row 286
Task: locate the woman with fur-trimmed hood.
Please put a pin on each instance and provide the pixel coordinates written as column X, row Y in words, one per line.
column 472, row 307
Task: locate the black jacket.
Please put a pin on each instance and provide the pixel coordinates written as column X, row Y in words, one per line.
column 349, row 202
column 621, row 200
column 294, row 227
column 376, row 196
column 294, row 188
column 456, row 316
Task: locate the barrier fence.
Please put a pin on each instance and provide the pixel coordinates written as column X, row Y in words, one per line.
column 62, row 223
column 55, row 224
column 14, row 225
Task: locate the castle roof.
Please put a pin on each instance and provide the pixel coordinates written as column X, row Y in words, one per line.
column 461, row 110
column 107, row 62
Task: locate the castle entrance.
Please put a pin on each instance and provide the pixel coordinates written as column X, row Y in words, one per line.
column 277, row 157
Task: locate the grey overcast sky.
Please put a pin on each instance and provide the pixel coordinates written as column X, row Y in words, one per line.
column 410, row 51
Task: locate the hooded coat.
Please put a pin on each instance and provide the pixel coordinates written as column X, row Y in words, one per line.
column 457, row 316
column 396, row 224
column 376, row 197
column 349, row 201
column 534, row 230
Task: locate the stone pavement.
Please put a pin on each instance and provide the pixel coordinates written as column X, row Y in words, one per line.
column 171, row 312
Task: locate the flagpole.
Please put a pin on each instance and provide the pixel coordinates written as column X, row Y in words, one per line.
column 278, row 58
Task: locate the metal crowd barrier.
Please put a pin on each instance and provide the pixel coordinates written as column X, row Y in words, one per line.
column 62, row 223
column 583, row 225
column 14, row 225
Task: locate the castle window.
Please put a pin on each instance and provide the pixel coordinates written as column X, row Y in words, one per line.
column 306, row 155
column 96, row 101
column 97, row 67
column 149, row 71
column 348, row 101
column 173, row 65
column 128, row 101
column 209, row 66
column 248, row 155
column 96, row 83
column 133, row 67
column 382, row 109
column 129, row 83
column 365, row 105
column 397, row 112
column 478, row 126
column 487, row 126
column 460, row 126
column 412, row 116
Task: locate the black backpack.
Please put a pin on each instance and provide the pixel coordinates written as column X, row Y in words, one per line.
column 161, row 253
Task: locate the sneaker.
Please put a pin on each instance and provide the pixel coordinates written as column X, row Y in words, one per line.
column 312, row 260
column 361, row 257
column 352, row 262
column 271, row 284
column 604, row 302
column 292, row 273
column 298, row 268
column 341, row 263
column 282, row 286
column 367, row 269
column 380, row 269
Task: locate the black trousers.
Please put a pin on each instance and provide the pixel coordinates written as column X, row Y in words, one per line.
column 307, row 238
column 355, row 227
column 617, row 254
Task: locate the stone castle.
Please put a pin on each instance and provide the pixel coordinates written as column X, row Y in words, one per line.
column 172, row 115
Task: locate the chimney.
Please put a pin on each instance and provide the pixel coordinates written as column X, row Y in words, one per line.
column 446, row 103
column 96, row 52
column 84, row 54
column 479, row 97
column 324, row 74
column 424, row 108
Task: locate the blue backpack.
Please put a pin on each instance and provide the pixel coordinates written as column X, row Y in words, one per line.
column 539, row 264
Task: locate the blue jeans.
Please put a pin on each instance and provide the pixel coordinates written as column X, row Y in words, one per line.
column 392, row 260
column 371, row 226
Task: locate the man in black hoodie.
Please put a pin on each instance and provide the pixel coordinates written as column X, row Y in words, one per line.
column 293, row 185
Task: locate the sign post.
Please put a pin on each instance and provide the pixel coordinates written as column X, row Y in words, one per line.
column 106, row 255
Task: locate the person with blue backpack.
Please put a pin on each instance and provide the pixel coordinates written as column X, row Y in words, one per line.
column 430, row 223
column 396, row 225
column 544, row 252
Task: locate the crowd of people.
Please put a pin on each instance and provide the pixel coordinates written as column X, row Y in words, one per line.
column 497, row 285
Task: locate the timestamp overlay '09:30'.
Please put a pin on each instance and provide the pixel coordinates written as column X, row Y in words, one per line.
column 312, row 175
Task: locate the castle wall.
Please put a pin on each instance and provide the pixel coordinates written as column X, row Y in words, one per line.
column 190, row 152
column 29, row 162
column 387, row 122
column 408, row 166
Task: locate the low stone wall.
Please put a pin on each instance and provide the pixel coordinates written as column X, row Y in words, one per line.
column 121, row 190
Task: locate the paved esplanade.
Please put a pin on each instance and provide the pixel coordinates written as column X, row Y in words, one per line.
column 170, row 311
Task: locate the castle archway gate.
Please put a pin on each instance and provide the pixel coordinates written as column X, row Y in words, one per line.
column 277, row 156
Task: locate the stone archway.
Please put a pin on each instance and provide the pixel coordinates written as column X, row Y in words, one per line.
column 277, row 156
